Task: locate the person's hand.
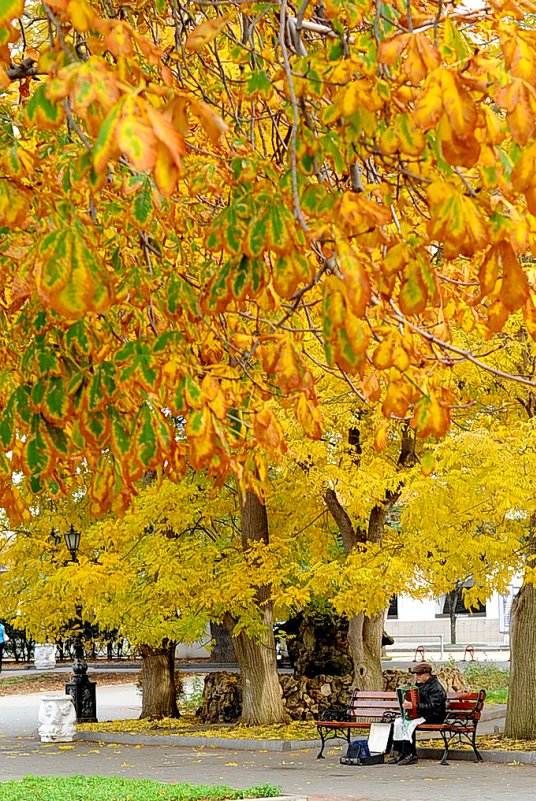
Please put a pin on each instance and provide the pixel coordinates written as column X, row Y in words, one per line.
column 407, row 705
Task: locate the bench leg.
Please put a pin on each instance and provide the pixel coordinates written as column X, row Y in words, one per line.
column 444, row 758
column 478, row 755
column 323, row 740
column 324, row 732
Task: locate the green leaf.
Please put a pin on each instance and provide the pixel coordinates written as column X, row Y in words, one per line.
column 77, row 339
column 7, row 425
column 102, row 386
column 38, row 456
column 142, row 207
column 56, row 401
column 145, row 438
column 120, row 437
column 40, row 111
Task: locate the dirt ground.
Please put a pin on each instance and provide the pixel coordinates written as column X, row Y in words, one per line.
column 49, row 682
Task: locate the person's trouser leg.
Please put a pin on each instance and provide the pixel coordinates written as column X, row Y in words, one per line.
column 1, row 654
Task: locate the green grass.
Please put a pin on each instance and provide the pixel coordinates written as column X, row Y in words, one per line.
column 489, row 677
column 99, row 788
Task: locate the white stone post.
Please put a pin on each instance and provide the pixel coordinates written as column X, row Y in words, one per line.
column 45, row 656
column 57, row 717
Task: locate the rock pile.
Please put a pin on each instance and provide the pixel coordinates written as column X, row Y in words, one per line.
column 304, row 698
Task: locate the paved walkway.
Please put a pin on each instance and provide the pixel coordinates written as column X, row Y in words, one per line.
column 295, row 772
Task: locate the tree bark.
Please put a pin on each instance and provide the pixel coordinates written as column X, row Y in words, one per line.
column 364, row 643
column 262, row 701
column 364, row 632
column 159, row 692
column 223, row 650
column 521, row 710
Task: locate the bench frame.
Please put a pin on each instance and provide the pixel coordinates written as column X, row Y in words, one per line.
column 464, row 710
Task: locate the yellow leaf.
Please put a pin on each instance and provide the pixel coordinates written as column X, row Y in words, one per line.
column 355, row 277
column 205, row 33
column 166, row 172
column 309, row 417
column 523, row 177
column 390, row 49
column 380, row 438
column 458, row 105
column 136, row 138
column 268, row 431
column 429, row 105
column 398, row 397
column 520, row 104
column 167, row 134
column 213, row 124
column 515, row 287
column 456, row 220
column 81, row 15
column 10, row 9
column 430, row 418
column 421, row 58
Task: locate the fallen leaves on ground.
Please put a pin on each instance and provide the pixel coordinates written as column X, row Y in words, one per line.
column 188, row 725
column 488, row 742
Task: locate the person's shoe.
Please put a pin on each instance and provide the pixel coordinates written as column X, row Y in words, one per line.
column 410, row 759
column 394, row 760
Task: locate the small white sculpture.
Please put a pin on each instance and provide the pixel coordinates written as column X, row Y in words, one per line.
column 57, row 717
column 45, row 656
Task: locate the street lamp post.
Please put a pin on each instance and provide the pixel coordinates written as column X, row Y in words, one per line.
column 80, row 688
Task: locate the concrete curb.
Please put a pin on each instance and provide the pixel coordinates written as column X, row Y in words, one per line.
column 521, row 757
column 192, row 741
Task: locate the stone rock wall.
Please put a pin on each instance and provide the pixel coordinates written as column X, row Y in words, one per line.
column 451, row 678
column 304, row 698
column 222, row 698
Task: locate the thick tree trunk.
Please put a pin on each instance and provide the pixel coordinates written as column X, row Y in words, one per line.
column 159, row 693
column 365, row 645
column 223, row 648
column 521, row 710
column 262, row 702
column 261, row 692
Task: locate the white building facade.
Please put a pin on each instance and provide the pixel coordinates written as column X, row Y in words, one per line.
column 413, row 620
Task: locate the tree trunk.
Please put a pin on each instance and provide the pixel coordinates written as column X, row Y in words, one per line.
column 262, row 701
column 453, row 603
column 365, row 645
column 223, row 648
column 521, row 710
column 159, row 693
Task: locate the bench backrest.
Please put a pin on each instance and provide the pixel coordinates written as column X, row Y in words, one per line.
column 365, row 704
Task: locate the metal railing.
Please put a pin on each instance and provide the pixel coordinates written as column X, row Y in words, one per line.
column 419, row 643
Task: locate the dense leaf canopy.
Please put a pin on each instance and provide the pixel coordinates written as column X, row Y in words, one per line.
column 208, row 206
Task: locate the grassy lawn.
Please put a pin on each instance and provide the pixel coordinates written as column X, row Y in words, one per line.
column 98, row 788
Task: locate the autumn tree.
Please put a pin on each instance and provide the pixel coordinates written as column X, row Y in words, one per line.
column 192, row 194
column 185, row 193
column 475, row 516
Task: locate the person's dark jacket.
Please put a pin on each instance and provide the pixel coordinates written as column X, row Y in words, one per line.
column 432, row 701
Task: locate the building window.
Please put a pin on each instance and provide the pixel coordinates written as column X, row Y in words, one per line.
column 444, row 602
column 392, row 612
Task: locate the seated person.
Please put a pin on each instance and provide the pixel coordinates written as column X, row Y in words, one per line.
column 431, row 708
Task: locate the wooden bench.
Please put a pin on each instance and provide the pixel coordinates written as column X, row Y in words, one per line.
column 463, row 713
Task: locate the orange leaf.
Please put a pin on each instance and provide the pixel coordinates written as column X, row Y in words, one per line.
column 430, row 418
column 205, row 33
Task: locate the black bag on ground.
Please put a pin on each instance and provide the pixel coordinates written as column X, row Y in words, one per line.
column 359, row 752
